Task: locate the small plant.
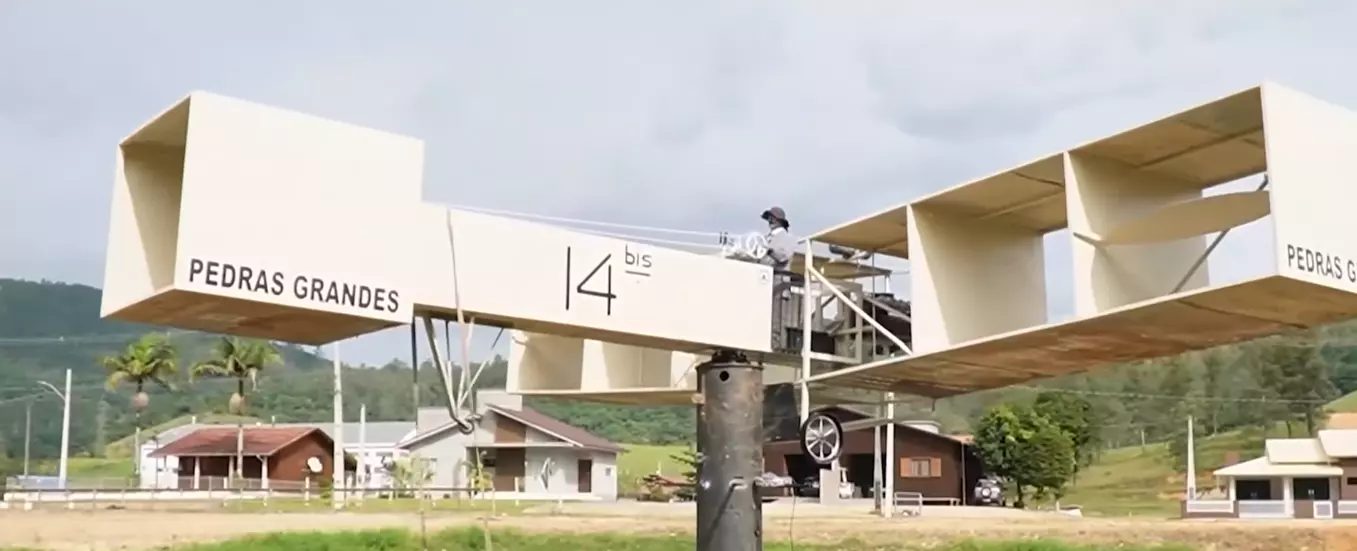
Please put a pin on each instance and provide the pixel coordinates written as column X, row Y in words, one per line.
column 411, row 473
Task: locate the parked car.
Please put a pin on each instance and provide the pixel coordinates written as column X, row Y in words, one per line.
column 773, row 486
column 810, row 487
column 989, row 491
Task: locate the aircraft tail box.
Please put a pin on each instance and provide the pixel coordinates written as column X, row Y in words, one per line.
column 238, row 218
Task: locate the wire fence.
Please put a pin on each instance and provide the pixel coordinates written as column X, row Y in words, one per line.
column 256, row 495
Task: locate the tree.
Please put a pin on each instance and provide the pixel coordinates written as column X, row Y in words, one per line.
column 1177, row 381
column 1073, row 415
column 1049, row 459
column 1298, row 376
column 689, row 458
column 1213, row 389
column 241, row 359
column 1026, row 450
column 148, row 360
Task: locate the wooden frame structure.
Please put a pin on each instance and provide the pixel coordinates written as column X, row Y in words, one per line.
column 1138, row 218
column 237, row 218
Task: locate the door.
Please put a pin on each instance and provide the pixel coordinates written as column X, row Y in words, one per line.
column 1248, row 490
column 1311, row 489
column 509, row 469
column 585, row 473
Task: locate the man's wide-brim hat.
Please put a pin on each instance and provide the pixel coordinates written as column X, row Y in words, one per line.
column 775, row 213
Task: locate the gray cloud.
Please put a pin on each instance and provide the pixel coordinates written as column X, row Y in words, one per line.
column 693, row 114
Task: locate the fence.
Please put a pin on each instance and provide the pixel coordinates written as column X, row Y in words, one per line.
column 200, row 493
column 243, row 499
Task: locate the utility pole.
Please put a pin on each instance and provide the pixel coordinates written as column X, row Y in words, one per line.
column 362, row 450
column 730, row 454
column 28, row 432
column 65, row 425
column 337, row 468
column 1191, row 462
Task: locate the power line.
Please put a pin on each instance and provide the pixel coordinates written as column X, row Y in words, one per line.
column 582, row 222
column 1115, row 394
column 86, row 339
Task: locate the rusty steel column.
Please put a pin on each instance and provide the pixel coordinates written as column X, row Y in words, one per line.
column 730, row 444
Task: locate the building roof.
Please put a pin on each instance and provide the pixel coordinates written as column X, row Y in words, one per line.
column 542, row 422
column 1339, row 443
column 1341, row 421
column 1300, row 456
column 174, row 433
column 1295, row 451
column 559, row 429
column 221, row 441
column 379, row 433
column 1261, row 467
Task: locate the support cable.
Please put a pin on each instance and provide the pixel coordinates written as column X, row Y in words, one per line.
column 1201, row 259
column 582, row 222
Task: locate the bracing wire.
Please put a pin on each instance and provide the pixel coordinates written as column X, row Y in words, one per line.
column 582, row 222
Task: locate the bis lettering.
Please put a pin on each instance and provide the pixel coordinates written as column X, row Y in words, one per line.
column 636, row 260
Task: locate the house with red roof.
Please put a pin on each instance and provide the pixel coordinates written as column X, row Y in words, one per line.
column 526, row 453
column 207, row 456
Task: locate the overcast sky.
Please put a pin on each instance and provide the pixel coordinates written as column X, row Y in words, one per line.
column 680, row 114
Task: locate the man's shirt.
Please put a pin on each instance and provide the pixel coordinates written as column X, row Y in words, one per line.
column 781, row 247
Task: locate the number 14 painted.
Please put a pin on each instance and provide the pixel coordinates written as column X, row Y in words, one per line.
column 572, row 288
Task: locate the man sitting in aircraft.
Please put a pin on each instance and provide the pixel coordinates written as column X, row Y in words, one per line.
column 776, row 250
column 780, row 243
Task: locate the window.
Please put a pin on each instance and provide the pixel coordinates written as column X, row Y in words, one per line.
column 1352, row 481
column 920, row 467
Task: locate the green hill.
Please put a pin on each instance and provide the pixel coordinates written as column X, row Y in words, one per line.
column 48, row 327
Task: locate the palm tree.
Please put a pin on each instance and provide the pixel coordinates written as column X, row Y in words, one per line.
column 241, row 359
column 150, row 359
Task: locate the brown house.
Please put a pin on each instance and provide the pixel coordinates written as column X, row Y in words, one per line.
column 207, row 456
column 936, row 465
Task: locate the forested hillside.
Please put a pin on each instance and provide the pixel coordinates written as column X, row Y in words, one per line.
column 47, row 327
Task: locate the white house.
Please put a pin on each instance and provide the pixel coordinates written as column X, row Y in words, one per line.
column 162, row 472
column 527, row 454
column 1294, row 478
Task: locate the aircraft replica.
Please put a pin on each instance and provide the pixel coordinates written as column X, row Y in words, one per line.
column 236, row 218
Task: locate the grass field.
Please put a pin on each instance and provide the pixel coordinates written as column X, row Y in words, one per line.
column 1344, row 404
column 467, row 539
column 641, row 527
column 640, row 460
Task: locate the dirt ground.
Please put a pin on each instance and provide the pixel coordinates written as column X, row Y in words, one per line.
column 108, row 530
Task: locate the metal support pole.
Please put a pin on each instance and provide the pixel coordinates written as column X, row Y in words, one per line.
column 892, row 462
column 337, row 465
column 730, row 437
column 414, row 365
column 808, row 308
column 876, row 460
